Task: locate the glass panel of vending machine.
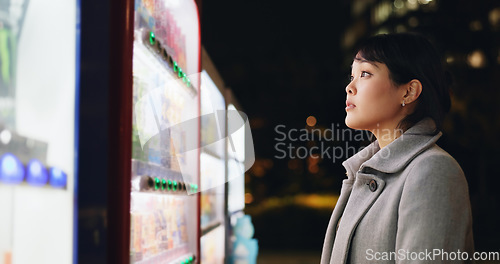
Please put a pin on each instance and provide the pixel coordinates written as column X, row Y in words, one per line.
column 165, row 133
column 212, row 172
column 38, row 53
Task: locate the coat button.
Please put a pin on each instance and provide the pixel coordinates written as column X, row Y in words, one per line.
column 373, row 185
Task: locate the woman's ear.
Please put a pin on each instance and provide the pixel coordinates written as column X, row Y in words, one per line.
column 413, row 91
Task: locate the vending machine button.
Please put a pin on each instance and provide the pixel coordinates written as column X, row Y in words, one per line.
column 11, row 169
column 36, row 173
column 57, row 178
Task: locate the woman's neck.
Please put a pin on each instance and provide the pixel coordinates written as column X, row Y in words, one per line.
column 386, row 135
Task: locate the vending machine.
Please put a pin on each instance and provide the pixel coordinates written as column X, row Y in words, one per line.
column 165, row 182
column 38, row 134
column 235, row 174
column 212, row 171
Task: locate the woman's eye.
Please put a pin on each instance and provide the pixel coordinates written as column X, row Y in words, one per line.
column 365, row 74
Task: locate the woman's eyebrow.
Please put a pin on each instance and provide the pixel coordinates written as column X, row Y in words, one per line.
column 362, row 60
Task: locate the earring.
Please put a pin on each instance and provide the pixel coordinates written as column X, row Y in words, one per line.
column 403, row 104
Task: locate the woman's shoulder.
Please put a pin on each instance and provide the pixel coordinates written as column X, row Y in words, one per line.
column 435, row 164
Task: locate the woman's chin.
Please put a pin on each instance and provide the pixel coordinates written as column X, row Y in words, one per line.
column 351, row 122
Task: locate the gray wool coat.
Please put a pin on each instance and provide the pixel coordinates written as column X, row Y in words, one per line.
column 406, row 203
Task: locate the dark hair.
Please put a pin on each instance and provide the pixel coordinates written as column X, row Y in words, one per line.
column 411, row 56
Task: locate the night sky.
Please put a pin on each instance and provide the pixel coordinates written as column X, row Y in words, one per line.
column 281, row 58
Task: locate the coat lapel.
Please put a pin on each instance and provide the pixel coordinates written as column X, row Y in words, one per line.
column 360, row 201
column 332, row 225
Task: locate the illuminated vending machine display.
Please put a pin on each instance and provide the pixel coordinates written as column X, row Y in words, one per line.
column 164, row 210
column 212, row 172
column 235, row 163
column 240, row 246
column 37, row 130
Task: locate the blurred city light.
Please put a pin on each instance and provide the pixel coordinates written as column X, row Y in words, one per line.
column 476, row 59
column 311, row 121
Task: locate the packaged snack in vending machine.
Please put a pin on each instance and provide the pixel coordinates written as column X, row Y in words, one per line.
column 175, row 42
column 166, row 22
column 149, row 5
column 182, row 50
column 175, row 224
column 163, row 237
column 149, row 236
column 158, row 16
column 138, row 153
column 154, row 149
column 165, row 133
column 170, row 222
column 171, row 34
column 158, row 231
column 174, row 162
column 183, row 229
column 136, row 236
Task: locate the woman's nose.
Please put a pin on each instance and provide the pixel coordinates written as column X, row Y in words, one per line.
column 349, row 89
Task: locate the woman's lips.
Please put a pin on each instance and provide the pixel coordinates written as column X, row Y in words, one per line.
column 349, row 105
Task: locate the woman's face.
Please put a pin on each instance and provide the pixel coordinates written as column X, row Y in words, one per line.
column 373, row 101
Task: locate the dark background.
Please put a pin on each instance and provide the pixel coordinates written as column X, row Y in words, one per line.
column 287, row 60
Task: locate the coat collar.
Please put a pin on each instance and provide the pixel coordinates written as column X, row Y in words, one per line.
column 395, row 156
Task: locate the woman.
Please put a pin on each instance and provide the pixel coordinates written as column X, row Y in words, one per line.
column 405, row 199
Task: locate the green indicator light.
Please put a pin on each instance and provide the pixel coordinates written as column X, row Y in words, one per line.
column 180, row 73
column 169, row 186
column 176, row 67
column 184, row 78
column 190, row 259
column 157, row 183
column 188, row 82
column 175, row 186
column 152, row 38
column 163, row 184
